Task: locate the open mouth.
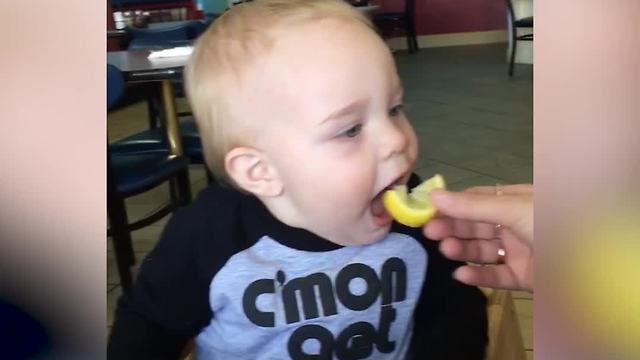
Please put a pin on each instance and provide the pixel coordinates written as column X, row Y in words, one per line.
column 400, row 180
column 379, row 214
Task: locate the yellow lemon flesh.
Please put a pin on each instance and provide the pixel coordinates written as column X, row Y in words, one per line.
column 412, row 209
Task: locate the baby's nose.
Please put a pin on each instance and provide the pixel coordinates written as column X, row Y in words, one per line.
column 393, row 141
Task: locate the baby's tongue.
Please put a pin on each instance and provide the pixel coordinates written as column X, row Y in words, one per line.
column 377, row 208
column 379, row 214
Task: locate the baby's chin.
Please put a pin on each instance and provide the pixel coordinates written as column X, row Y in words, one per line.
column 369, row 238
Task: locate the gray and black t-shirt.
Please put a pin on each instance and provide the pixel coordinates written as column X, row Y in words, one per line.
column 243, row 285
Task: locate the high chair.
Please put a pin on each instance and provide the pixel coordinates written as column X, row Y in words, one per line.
column 505, row 339
column 133, row 173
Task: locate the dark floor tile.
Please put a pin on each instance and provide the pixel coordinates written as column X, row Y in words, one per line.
column 448, row 151
column 148, row 199
column 497, row 164
column 427, row 168
column 479, row 180
column 494, row 119
column 127, row 121
column 523, row 174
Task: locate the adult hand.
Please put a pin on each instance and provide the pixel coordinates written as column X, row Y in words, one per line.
column 466, row 225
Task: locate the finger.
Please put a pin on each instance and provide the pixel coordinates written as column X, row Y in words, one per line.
column 507, row 210
column 516, row 189
column 444, row 226
column 495, row 276
column 489, row 190
column 438, row 228
column 475, row 251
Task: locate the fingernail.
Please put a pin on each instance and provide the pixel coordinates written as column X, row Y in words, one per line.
column 455, row 274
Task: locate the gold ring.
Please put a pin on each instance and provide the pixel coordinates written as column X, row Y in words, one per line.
column 498, row 231
column 501, row 255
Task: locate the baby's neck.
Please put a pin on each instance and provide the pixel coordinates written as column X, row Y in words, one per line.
column 285, row 212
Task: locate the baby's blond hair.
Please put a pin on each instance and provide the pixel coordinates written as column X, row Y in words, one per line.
column 224, row 52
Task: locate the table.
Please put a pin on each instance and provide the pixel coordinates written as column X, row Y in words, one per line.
column 137, row 68
column 168, row 24
column 111, row 34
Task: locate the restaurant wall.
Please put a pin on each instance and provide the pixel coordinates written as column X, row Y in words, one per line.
column 441, row 22
column 454, row 16
column 214, row 6
column 433, row 16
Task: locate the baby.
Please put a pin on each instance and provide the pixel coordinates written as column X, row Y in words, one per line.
column 299, row 107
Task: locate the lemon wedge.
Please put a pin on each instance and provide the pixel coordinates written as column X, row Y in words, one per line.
column 412, row 209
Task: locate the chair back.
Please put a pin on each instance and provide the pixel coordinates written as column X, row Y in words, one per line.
column 197, row 27
column 410, row 8
column 159, row 38
column 510, row 12
column 115, row 86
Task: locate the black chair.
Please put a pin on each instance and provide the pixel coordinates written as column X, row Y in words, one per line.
column 405, row 18
column 161, row 38
column 133, row 173
column 515, row 24
column 152, row 140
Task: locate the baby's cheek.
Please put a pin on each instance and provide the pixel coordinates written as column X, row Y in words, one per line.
column 413, row 147
column 351, row 197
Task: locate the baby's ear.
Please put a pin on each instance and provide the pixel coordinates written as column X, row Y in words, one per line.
column 252, row 171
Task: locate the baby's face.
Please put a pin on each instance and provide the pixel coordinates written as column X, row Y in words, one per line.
column 331, row 105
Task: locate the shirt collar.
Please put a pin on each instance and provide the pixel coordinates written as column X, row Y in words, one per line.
column 260, row 222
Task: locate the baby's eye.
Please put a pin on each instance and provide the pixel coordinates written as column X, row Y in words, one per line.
column 352, row 132
column 396, row 110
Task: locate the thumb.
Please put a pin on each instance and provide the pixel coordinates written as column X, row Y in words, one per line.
column 505, row 209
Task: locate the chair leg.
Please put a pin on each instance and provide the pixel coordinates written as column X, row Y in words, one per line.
column 180, row 189
column 152, row 111
column 154, row 107
column 121, row 237
column 410, row 33
column 512, row 58
column 175, row 193
column 414, row 39
column 184, row 187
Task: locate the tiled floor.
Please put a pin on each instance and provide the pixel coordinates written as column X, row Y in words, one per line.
column 474, row 125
